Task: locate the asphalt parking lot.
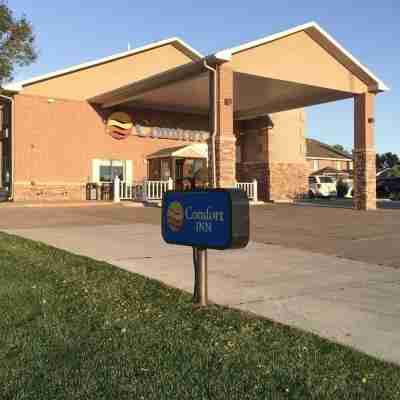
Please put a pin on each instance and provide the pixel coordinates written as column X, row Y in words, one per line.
column 364, row 236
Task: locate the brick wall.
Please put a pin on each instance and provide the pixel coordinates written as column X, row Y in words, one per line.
column 49, row 192
column 273, row 152
column 55, row 143
column 343, row 165
column 288, row 181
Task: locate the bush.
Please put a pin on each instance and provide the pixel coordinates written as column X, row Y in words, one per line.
column 341, row 188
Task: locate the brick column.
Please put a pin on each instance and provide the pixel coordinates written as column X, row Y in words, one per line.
column 225, row 141
column 364, row 153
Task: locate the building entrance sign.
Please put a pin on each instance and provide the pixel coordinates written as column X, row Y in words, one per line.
column 120, row 125
column 209, row 219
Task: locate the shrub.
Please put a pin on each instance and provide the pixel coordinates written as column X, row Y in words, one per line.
column 341, row 188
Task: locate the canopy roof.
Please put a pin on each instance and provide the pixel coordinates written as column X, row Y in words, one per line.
column 296, row 68
column 325, row 40
column 198, row 150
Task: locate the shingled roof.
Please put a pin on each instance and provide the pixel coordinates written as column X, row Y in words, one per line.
column 317, row 149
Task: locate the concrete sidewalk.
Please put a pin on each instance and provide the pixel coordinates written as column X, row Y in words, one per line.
column 348, row 301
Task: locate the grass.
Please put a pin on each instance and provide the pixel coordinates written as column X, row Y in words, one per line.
column 74, row 328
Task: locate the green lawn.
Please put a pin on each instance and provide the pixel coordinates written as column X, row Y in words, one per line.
column 74, row 328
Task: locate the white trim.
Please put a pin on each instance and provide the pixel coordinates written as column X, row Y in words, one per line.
column 229, row 52
column 128, row 171
column 97, row 163
column 224, row 55
column 17, row 86
column 328, row 158
column 264, row 40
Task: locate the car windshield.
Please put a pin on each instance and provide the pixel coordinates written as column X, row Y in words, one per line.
column 325, row 179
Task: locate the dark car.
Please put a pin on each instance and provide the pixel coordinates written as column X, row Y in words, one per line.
column 388, row 186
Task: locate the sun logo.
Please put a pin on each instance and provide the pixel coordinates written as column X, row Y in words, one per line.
column 119, row 125
column 175, row 216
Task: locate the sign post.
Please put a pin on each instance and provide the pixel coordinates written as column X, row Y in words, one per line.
column 200, row 292
column 205, row 219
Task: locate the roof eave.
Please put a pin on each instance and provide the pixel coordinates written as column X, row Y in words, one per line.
column 377, row 86
column 192, row 53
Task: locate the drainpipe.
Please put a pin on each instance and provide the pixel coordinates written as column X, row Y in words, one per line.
column 214, row 132
column 11, row 132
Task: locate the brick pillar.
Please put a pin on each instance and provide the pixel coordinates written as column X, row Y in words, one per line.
column 364, row 153
column 225, row 141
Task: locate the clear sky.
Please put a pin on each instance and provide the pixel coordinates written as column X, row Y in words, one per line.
column 74, row 31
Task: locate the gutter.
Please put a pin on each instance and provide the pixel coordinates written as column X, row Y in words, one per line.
column 11, row 133
column 214, row 123
column 217, row 58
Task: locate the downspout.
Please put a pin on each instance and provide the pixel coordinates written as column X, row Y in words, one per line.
column 214, row 131
column 11, row 133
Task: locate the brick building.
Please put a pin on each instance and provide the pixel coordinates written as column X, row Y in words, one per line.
column 96, row 120
column 320, row 155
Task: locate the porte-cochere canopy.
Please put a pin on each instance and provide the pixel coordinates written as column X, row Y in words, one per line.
column 300, row 67
column 296, row 68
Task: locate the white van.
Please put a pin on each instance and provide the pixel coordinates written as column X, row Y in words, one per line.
column 321, row 186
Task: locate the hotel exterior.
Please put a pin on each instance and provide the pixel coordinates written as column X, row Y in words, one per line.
column 164, row 111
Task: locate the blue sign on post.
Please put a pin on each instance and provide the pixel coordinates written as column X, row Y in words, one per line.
column 210, row 219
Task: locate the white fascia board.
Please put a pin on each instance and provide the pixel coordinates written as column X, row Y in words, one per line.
column 229, row 52
column 17, row 86
column 266, row 39
column 224, row 55
column 381, row 85
column 329, row 158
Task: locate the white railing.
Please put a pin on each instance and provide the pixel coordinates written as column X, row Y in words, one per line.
column 250, row 188
column 154, row 190
column 131, row 191
column 146, row 191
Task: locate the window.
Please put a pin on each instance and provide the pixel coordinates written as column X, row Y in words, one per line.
column 312, row 179
column 338, row 165
column 315, row 164
column 326, row 179
column 107, row 170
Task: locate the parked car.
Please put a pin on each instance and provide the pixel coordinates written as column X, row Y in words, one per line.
column 321, row 186
column 388, row 186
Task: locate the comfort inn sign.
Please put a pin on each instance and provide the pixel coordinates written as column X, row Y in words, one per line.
column 120, row 125
column 210, row 219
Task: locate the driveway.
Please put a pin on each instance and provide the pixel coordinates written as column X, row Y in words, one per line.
column 350, row 301
column 372, row 237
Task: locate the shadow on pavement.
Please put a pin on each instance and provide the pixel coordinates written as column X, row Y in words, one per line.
column 384, row 204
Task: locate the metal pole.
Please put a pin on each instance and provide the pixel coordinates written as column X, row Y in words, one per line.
column 200, row 295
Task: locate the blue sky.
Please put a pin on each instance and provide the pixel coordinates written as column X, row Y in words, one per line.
column 72, row 32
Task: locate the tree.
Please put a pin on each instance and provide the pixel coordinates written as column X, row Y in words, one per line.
column 386, row 160
column 16, row 43
column 339, row 147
